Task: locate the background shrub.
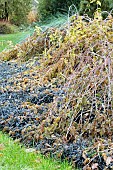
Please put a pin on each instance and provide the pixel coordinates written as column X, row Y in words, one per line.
column 32, row 17
column 15, row 11
column 49, row 7
column 89, row 7
column 7, row 28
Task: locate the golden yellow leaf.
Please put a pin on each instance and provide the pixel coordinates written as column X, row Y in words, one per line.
column 1, row 154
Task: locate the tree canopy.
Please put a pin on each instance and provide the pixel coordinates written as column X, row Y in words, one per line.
column 84, row 6
column 15, row 10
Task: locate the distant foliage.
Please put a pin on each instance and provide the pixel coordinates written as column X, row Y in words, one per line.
column 32, row 17
column 6, row 28
column 49, row 7
column 90, row 6
column 15, row 11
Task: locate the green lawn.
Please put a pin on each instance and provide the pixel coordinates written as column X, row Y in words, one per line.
column 15, row 157
column 8, row 40
column 54, row 21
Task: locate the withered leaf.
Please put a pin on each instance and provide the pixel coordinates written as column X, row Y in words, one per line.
column 109, row 160
column 94, row 166
column 2, row 146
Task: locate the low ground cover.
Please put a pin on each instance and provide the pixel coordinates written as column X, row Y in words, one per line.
column 62, row 98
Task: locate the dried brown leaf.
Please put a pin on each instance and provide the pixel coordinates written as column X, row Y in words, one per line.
column 94, row 166
column 109, row 160
column 30, row 150
column 2, row 146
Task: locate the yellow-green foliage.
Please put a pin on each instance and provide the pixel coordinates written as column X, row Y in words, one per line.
column 82, row 62
column 78, row 60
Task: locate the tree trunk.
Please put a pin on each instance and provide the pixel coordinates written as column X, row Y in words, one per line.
column 6, row 11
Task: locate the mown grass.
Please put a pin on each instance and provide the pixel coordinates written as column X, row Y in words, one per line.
column 9, row 40
column 54, row 21
column 13, row 156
